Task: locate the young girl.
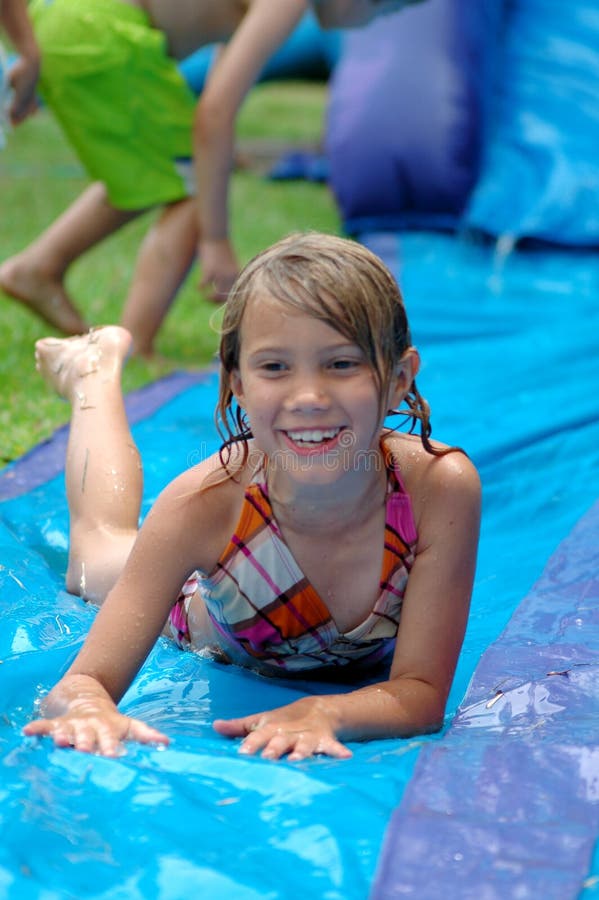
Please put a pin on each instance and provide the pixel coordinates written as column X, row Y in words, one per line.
column 316, row 540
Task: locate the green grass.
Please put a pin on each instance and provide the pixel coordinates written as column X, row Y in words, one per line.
column 39, row 177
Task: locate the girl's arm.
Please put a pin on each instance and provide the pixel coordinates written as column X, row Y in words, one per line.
column 431, row 631
column 25, row 71
column 263, row 29
column 81, row 710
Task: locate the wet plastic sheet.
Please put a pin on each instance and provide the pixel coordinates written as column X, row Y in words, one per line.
column 510, row 797
column 196, row 818
column 510, row 365
column 507, row 804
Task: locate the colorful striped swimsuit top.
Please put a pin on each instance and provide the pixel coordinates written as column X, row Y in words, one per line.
column 261, row 603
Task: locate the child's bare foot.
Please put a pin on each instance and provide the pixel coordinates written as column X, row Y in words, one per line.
column 75, row 366
column 41, row 294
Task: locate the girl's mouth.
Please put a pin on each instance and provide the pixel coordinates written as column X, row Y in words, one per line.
column 313, row 438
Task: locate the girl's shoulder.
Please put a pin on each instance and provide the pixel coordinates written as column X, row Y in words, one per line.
column 427, row 476
column 205, row 503
column 409, row 453
column 213, row 484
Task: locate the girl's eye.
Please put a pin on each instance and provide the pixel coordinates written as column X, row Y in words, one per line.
column 273, row 367
column 344, row 364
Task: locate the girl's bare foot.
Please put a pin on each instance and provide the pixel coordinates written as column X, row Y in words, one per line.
column 41, row 294
column 75, row 367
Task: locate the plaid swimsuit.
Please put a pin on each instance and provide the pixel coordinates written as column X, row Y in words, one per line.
column 261, row 604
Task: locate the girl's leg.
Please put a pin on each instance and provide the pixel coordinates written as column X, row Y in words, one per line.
column 103, row 469
column 164, row 259
column 35, row 276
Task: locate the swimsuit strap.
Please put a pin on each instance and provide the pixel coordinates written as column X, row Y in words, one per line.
column 400, row 514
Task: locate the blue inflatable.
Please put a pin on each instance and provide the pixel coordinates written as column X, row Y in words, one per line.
column 407, row 114
column 309, row 53
column 540, row 176
column 482, row 116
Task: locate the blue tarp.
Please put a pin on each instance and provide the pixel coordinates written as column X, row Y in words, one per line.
column 540, row 174
column 511, row 368
column 510, row 797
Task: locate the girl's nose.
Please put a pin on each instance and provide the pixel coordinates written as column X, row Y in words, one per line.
column 307, row 395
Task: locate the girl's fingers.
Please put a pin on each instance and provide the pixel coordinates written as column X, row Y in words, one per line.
column 37, row 727
column 332, row 747
column 63, row 735
column 275, row 742
column 85, row 738
column 234, row 727
column 280, row 743
column 144, row 734
column 256, row 740
column 95, row 736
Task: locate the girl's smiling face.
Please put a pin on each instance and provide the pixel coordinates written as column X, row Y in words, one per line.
column 315, row 305
column 309, row 393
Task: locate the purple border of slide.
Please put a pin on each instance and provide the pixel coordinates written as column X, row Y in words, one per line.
column 46, row 460
column 506, row 804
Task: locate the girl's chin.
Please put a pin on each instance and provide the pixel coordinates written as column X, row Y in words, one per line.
column 313, row 469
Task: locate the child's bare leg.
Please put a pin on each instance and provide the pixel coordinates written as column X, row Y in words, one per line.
column 35, row 276
column 163, row 262
column 103, row 470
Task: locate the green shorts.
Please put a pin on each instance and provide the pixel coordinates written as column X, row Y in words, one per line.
column 119, row 97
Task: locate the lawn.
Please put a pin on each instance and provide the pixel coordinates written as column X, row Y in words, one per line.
column 39, row 177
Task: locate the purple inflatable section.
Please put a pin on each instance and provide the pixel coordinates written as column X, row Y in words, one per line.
column 506, row 804
column 407, row 114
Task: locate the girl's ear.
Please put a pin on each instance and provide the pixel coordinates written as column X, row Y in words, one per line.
column 236, row 386
column 406, row 371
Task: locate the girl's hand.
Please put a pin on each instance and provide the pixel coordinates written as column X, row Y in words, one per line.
column 219, row 268
column 94, row 729
column 301, row 730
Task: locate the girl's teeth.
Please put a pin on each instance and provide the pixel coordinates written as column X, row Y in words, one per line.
column 312, row 437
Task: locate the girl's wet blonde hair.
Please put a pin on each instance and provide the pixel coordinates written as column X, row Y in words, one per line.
column 339, row 282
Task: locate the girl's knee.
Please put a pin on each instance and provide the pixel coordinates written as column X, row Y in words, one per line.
column 96, row 564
